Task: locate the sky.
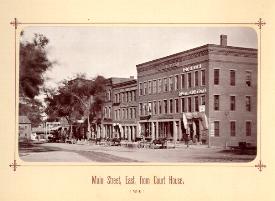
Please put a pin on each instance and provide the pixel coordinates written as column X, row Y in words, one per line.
column 115, row 51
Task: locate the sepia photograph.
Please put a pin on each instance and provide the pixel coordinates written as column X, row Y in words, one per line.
column 162, row 94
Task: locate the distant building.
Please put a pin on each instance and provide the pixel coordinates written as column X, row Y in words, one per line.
column 25, row 128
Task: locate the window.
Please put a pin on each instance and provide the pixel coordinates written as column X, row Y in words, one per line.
column 216, row 102
column 196, row 103
column 189, row 77
column 126, row 113
column 160, row 109
column 182, row 81
column 171, row 105
column 134, row 95
column 165, row 85
column 149, row 87
column 165, row 107
column 154, row 86
column 177, row 105
column 129, row 96
column 248, row 103
column 248, row 128
column 140, row 109
column 118, row 114
column 248, row 77
column 203, row 77
column 232, row 77
column 216, row 128
column 196, row 78
column 203, row 100
column 145, row 108
column 170, row 83
column 182, row 105
column 140, row 89
column 126, row 97
column 176, row 82
column 155, row 107
column 145, row 88
column 232, row 128
column 216, row 76
column 232, row 103
column 149, row 108
column 159, row 85
column 189, row 104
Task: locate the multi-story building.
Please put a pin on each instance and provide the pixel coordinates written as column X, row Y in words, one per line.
column 216, row 85
column 106, row 127
column 125, row 109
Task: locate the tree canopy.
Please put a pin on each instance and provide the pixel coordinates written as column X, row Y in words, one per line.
column 76, row 98
column 33, row 63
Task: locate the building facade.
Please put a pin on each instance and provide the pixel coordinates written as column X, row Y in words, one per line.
column 207, row 94
column 105, row 128
column 125, row 110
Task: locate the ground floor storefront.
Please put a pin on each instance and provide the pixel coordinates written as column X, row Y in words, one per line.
column 192, row 127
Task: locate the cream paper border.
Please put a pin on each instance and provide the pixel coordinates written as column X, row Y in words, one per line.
column 72, row 181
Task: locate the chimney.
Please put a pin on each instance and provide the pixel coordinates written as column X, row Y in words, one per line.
column 223, row 40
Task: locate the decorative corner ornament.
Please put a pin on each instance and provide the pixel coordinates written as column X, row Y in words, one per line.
column 260, row 166
column 14, row 23
column 260, row 23
column 14, row 165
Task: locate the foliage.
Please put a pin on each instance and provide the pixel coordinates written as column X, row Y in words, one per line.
column 33, row 109
column 76, row 98
column 33, row 64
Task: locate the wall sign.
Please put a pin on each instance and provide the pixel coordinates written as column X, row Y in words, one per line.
column 192, row 92
column 190, row 68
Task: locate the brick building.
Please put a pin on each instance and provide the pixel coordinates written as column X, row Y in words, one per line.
column 205, row 93
column 125, row 109
column 105, row 127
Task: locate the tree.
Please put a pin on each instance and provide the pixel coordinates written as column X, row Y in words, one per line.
column 33, row 63
column 75, row 99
